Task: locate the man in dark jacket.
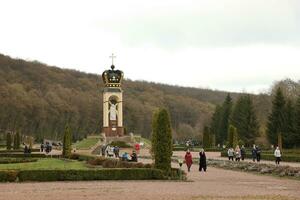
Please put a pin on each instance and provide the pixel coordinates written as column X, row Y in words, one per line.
column 243, row 152
column 202, row 160
column 253, row 153
column 258, row 153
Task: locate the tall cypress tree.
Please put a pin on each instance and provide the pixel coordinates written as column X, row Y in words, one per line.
column 8, row 141
column 297, row 123
column 232, row 136
column 17, row 140
column 162, row 140
column 224, row 123
column 215, row 124
column 276, row 121
column 67, row 142
column 206, row 137
column 245, row 120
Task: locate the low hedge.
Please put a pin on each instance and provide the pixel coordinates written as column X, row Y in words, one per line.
column 8, row 175
column 81, row 157
column 81, row 175
column 268, row 156
column 18, row 150
column 120, row 144
column 115, row 163
column 22, row 155
column 8, row 160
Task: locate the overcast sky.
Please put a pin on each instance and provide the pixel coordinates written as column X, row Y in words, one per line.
column 233, row 45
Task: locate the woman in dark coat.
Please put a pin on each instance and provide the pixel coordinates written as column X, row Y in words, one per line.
column 188, row 160
column 202, row 160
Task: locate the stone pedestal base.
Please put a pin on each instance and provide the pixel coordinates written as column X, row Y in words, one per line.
column 113, row 131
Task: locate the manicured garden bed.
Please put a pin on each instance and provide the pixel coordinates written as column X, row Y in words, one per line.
column 83, row 168
column 260, row 168
column 286, row 157
column 8, row 160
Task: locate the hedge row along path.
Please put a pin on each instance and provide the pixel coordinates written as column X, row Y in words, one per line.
column 215, row 184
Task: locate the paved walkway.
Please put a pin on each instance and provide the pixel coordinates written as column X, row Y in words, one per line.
column 214, row 184
column 217, row 155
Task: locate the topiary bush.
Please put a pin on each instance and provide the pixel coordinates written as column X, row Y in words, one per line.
column 162, row 140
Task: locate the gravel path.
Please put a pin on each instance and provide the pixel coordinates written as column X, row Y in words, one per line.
column 214, row 184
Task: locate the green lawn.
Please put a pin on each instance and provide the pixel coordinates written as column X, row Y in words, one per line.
column 46, row 163
column 86, row 143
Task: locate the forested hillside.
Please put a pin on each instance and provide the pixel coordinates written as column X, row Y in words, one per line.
column 40, row 100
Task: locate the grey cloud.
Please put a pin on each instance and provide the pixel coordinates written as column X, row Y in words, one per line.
column 238, row 24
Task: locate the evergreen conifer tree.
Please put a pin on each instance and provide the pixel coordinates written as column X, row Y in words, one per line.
column 8, row 141
column 215, row 124
column 17, row 140
column 206, row 137
column 276, row 121
column 162, row 140
column 245, row 120
column 232, row 137
column 67, row 142
column 225, row 119
column 289, row 133
column 297, row 123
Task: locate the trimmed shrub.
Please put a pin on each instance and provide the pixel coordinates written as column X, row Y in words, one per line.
column 8, row 175
column 67, row 142
column 120, row 144
column 22, row 155
column 102, row 174
column 17, row 151
column 162, row 140
column 8, row 160
column 81, row 157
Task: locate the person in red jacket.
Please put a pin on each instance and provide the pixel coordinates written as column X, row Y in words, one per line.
column 188, row 160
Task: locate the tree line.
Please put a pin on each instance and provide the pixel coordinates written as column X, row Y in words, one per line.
column 39, row 100
column 236, row 122
column 233, row 122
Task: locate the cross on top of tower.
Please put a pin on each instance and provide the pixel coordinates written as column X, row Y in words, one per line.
column 112, row 60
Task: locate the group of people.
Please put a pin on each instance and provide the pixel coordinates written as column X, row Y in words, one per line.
column 130, row 158
column 240, row 154
column 46, row 147
column 256, row 153
column 189, row 160
column 114, row 151
column 110, row 151
column 237, row 153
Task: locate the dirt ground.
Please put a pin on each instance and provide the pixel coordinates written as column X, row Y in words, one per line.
column 215, row 184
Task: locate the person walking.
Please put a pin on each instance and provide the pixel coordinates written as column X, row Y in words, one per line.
column 230, row 153
column 253, row 152
column 237, row 153
column 258, row 153
column 42, row 147
column 202, row 160
column 243, row 152
column 188, row 160
column 117, row 151
column 277, row 155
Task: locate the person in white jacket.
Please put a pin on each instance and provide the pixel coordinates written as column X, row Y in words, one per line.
column 277, row 155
